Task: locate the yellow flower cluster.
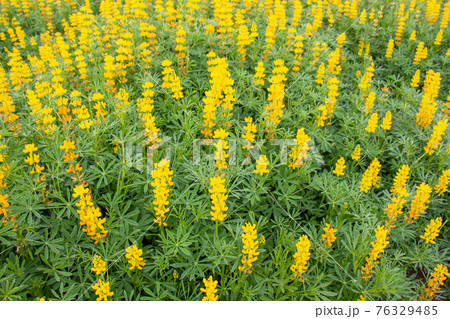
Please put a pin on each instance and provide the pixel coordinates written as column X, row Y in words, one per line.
column 245, row 38
column 432, row 10
column 421, row 53
column 98, row 265
column 43, row 116
column 162, row 180
column 4, row 204
column 220, row 154
column 300, row 150
column 399, row 193
column 356, row 155
column 301, row 257
column 218, row 198
column 389, row 49
column 428, row 103
column 102, row 290
column 271, row 32
column 366, row 80
column 133, row 254
column 387, row 121
column 370, row 177
column 392, row 210
column 368, row 102
column 273, row 111
column 250, row 242
column 249, row 135
column 400, row 179
column 261, row 165
column 402, row 17
column 372, row 123
column 81, row 111
column 320, row 74
column 171, row 80
column 415, row 79
column 442, row 185
column 180, row 40
column 259, row 74
column 99, row 107
column 220, row 95
column 340, row 39
column 333, row 62
column 438, row 39
column 432, row 230
column 326, row 110
column 145, row 107
column 328, row 237
column 445, row 16
column 33, row 159
column 436, row 136
column 298, row 50
column 363, row 48
column 297, row 12
column 378, row 247
column 210, row 289
column 340, row 166
column 435, row 282
column 90, row 217
column 418, row 204
column 148, row 45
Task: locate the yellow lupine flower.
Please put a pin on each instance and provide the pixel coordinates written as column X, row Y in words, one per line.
column 218, row 198
column 210, row 289
column 261, row 165
column 162, row 180
column 393, row 210
column 249, row 136
column 99, row 265
column 421, row 53
column 378, row 247
column 390, row 49
column 444, row 180
column 370, row 177
column 418, row 204
column 171, row 80
column 328, row 237
column 399, row 187
column 259, row 74
column 250, row 242
column 436, row 136
column 432, row 230
column 428, row 104
column 134, row 257
column 438, row 39
column 273, row 111
column 415, row 79
column 300, row 150
column 90, row 217
column 301, row 257
column 372, row 124
column 102, row 290
column 340, row 166
column 387, row 121
column 356, row 155
column 435, row 282
column 220, row 154
column 320, row 74
column 368, row 102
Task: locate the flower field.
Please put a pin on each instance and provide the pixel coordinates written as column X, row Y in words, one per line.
column 224, row 150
